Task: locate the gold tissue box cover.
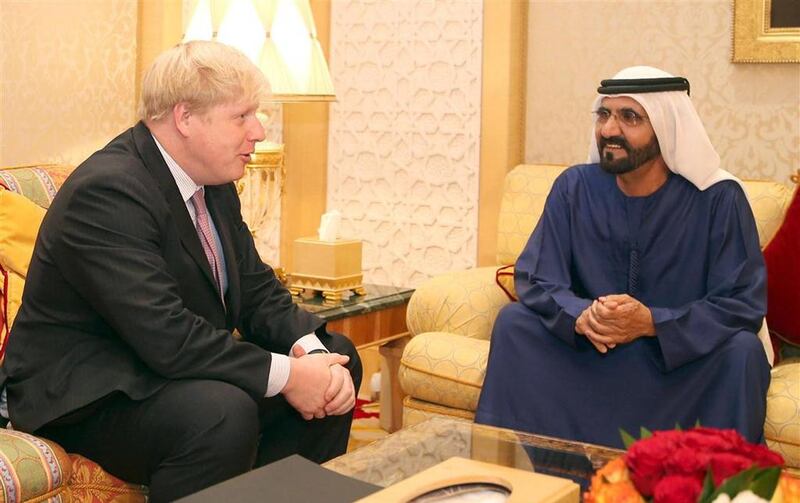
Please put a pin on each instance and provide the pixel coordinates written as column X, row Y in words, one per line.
column 328, row 266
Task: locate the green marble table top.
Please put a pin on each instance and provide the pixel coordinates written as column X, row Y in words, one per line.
column 377, row 297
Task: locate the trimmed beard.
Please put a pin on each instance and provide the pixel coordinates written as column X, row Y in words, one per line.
column 635, row 158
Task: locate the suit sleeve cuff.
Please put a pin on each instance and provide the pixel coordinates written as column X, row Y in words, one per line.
column 278, row 374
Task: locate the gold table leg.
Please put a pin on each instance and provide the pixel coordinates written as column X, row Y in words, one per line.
column 332, row 296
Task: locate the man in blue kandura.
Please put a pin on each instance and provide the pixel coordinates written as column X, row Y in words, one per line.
column 642, row 288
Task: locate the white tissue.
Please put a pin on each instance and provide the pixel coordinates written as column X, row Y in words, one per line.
column 329, row 226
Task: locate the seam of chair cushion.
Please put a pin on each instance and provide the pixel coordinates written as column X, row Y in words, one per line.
column 428, row 372
column 420, row 405
column 781, row 440
column 46, row 496
column 131, row 489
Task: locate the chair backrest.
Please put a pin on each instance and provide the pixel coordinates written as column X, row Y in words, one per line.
column 524, row 194
column 21, row 213
column 38, row 183
column 527, row 186
column 769, row 201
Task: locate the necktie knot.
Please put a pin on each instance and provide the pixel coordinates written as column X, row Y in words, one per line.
column 199, row 202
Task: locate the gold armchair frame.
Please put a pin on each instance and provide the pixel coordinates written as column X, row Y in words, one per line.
column 756, row 41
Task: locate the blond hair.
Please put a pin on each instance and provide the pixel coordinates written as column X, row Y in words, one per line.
column 201, row 74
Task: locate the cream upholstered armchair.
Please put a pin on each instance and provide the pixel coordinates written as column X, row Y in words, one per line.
column 451, row 315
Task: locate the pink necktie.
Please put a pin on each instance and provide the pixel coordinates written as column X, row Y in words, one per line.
column 207, row 236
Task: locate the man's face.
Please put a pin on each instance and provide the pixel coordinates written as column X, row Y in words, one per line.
column 221, row 141
column 625, row 137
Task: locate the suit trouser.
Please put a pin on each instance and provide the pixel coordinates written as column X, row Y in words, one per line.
column 192, row 434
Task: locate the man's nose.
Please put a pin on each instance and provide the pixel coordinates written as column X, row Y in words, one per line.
column 257, row 132
column 611, row 127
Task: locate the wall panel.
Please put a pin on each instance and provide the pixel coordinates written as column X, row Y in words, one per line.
column 751, row 111
column 403, row 153
column 67, row 74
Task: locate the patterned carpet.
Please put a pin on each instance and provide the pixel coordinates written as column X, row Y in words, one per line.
column 366, row 425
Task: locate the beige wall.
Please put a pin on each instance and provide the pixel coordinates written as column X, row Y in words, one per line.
column 751, row 111
column 404, row 140
column 67, row 73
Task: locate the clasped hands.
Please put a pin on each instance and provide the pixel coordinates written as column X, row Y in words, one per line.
column 319, row 385
column 614, row 319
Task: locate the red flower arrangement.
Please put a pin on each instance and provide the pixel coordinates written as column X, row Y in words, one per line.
column 700, row 465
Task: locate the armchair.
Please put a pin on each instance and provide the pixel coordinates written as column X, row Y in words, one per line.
column 451, row 316
column 33, row 468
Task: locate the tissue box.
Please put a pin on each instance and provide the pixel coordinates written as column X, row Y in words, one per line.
column 331, row 267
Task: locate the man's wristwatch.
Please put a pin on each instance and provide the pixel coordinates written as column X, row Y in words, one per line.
column 316, row 351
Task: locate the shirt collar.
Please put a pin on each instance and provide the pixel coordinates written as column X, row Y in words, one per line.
column 186, row 185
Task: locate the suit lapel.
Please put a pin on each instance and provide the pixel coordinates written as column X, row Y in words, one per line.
column 157, row 167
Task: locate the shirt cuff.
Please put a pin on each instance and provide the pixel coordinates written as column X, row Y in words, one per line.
column 278, row 374
column 309, row 342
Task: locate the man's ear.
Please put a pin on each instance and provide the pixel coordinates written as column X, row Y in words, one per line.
column 182, row 117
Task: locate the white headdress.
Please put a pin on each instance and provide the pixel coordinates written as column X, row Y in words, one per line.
column 682, row 138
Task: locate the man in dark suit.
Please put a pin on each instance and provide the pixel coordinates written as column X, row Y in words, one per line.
column 124, row 348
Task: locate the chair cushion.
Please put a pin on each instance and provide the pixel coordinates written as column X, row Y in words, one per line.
column 417, row 411
column 783, row 275
column 524, row 194
column 25, row 192
column 768, row 200
column 444, row 368
column 782, row 427
column 20, row 219
column 13, row 299
column 460, row 302
column 37, row 183
column 89, row 483
column 31, row 467
column 36, row 469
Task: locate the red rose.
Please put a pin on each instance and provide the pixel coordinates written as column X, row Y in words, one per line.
column 645, row 460
column 726, row 464
column 711, row 440
column 677, row 489
column 761, row 455
column 685, row 461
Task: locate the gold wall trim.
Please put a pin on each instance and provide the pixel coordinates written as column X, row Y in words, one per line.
column 160, row 27
column 505, row 25
column 755, row 41
column 305, row 138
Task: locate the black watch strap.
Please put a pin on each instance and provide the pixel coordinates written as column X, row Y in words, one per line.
column 316, row 351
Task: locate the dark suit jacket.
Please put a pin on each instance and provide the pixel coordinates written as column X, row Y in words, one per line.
column 120, row 296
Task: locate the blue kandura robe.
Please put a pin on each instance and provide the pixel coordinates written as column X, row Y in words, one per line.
column 692, row 257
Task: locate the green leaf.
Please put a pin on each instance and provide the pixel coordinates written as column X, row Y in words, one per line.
column 678, row 427
column 736, row 484
column 644, row 433
column 761, row 481
column 708, row 489
column 765, row 481
column 697, row 423
column 627, row 438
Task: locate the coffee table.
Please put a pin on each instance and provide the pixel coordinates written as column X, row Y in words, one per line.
column 416, row 448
